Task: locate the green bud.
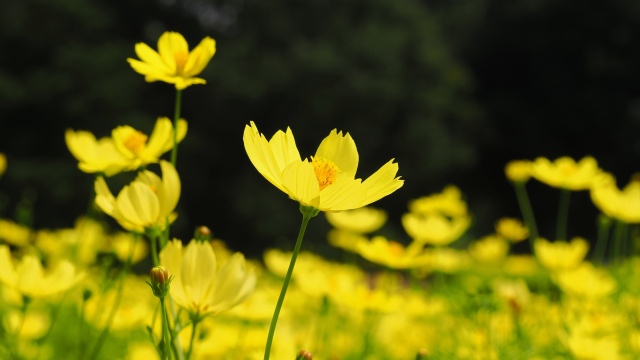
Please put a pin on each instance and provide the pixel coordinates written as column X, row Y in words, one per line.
column 304, row 355
column 202, row 233
column 160, row 281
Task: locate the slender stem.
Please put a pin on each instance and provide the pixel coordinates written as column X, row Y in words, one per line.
column 527, row 211
column 619, row 232
column 194, row 323
column 563, row 214
column 153, row 239
column 166, row 352
column 177, row 327
column 285, row 285
column 604, row 228
column 176, row 118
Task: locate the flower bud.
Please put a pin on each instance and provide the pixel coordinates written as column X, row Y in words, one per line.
column 304, row 355
column 202, row 233
column 160, row 281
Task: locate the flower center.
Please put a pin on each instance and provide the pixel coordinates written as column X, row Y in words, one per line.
column 326, row 171
column 136, row 142
column 181, row 58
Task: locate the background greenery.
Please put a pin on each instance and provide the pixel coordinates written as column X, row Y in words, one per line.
column 451, row 89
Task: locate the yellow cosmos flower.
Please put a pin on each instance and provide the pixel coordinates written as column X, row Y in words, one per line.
column 511, row 229
column 13, row 233
column 29, row 278
column 359, row 221
column 518, row 170
column 449, row 202
column 326, row 182
column 173, row 63
column 435, row 229
column 95, row 156
column 566, row 173
column 392, row 254
column 622, row 204
column 561, row 255
column 139, row 149
column 199, row 285
column 586, row 281
column 144, row 203
column 489, row 249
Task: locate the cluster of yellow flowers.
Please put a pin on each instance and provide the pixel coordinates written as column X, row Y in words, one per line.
column 435, row 291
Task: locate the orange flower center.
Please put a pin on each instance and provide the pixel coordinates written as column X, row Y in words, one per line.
column 136, row 142
column 326, row 171
column 181, row 58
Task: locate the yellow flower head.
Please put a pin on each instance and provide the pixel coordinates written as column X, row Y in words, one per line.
column 173, row 63
column 435, row 229
column 511, row 229
column 29, row 278
column 359, row 221
column 622, row 204
column 449, row 202
column 518, row 171
column 139, row 149
column 586, row 281
column 566, row 173
column 13, row 233
column 199, row 285
column 489, row 249
column 95, row 156
column 392, row 254
column 326, row 182
column 3, row 163
column 144, row 203
column 561, row 255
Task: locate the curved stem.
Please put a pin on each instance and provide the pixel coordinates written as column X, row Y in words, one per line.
column 194, row 324
column 563, row 214
column 272, row 328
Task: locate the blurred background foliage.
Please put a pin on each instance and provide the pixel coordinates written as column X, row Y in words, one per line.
column 451, row 89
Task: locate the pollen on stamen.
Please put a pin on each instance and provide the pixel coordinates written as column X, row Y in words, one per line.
column 135, row 142
column 326, row 171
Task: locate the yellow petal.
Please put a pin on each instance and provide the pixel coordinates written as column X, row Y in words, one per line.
column 30, row 275
column 342, row 151
column 104, row 199
column 161, row 136
column 344, row 194
column 169, row 44
column 169, row 191
column 198, row 271
column 8, row 274
column 138, row 204
column 200, row 57
column 234, row 282
column 382, row 183
column 300, row 183
column 151, row 58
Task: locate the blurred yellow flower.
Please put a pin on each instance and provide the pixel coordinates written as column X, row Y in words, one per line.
column 128, row 248
column 95, row 156
column 13, row 233
column 449, row 202
column 619, row 204
column 199, row 285
column 326, row 182
column 139, row 149
column 586, row 281
column 518, row 170
column 360, row 221
column 561, row 255
column 566, row 173
column 435, row 229
column 344, row 239
column 79, row 244
column 29, row 278
column 511, row 229
column 489, row 249
column 173, row 63
column 392, row 254
column 3, row 163
column 144, row 203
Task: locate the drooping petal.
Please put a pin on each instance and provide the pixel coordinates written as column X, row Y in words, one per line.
column 171, row 258
column 382, row 183
column 169, row 190
column 161, row 135
column 234, row 282
column 342, row 151
column 104, row 199
column 30, row 275
column 138, row 204
column 300, row 183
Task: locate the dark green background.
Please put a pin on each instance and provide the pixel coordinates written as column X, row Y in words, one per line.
column 451, row 89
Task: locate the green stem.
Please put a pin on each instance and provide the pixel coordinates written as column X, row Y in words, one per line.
column 527, row 211
column 166, row 352
column 307, row 214
column 177, row 327
column 604, row 228
column 176, row 118
column 153, row 239
column 563, row 214
column 194, row 323
column 618, row 238
column 107, row 326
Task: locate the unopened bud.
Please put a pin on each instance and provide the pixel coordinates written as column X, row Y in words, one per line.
column 160, row 281
column 202, row 233
column 422, row 354
column 304, row 355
